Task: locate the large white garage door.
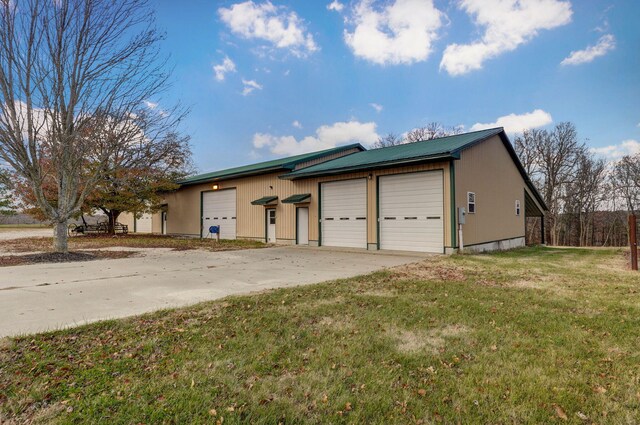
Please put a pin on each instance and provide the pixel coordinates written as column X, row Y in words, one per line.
column 344, row 213
column 219, row 209
column 143, row 224
column 412, row 212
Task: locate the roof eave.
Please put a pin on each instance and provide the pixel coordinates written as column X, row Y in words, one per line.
column 367, row 167
column 234, row 176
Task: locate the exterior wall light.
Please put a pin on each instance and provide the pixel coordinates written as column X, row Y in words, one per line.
column 216, row 187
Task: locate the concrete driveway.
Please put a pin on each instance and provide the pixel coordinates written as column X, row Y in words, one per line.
column 50, row 296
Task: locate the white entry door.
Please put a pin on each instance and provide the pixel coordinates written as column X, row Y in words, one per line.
column 303, row 226
column 219, row 209
column 411, row 212
column 344, row 213
column 163, row 218
column 271, row 226
column 143, row 224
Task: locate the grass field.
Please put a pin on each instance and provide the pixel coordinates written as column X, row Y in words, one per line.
column 536, row 335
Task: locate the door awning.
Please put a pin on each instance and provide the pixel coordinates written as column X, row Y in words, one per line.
column 265, row 200
column 296, row 199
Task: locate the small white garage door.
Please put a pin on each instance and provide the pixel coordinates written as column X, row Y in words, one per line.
column 143, row 224
column 219, row 209
column 412, row 212
column 344, row 213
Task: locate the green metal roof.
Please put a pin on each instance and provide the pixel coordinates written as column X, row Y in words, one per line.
column 265, row 200
column 436, row 149
column 442, row 149
column 288, row 163
column 295, row 199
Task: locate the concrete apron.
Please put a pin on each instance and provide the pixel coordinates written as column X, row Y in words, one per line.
column 43, row 297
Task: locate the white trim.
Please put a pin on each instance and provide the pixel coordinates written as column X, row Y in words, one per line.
column 471, row 202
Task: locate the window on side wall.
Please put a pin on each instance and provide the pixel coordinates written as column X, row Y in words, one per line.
column 517, row 207
column 471, row 202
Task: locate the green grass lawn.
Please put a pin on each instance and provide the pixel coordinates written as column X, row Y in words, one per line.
column 528, row 336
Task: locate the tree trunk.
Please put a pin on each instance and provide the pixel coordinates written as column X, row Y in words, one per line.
column 113, row 219
column 60, row 237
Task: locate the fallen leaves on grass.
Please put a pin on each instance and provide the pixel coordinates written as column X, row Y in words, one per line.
column 560, row 412
column 59, row 257
column 430, row 269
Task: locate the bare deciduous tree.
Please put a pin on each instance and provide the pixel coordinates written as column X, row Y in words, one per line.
column 387, row 140
column 551, row 158
column 625, row 178
column 73, row 73
column 585, row 194
column 431, row 131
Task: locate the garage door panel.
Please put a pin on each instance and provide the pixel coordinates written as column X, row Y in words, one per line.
column 219, row 209
column 143, row 224
column 411, row 209
column 344, row 213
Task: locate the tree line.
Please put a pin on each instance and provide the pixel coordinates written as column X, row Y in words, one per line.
column 588, row 198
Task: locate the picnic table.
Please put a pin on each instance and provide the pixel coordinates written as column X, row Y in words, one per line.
column 98, row 228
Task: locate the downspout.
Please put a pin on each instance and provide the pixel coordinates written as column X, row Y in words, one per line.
column 452, row 190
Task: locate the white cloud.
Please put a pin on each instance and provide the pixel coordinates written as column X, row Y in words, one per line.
column 250, row 86
column 151, row 105
column 400, row 32
column 296, row 124
column 508, row 24
column 221, row 70
column 326, row 137
column 514, row 123
column 335, row 5
column 264, row 21
column 605, row 44
column 615, row 152
column 377, row 107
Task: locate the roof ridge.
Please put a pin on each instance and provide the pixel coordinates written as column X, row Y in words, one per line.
column 265, row 165
column 492, row 129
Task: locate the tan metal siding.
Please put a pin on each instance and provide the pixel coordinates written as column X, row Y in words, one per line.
column 183, row 214
column 488, row 170
column 127, row 219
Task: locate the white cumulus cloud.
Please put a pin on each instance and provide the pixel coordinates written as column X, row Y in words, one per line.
column 514, row 123
column 377, row 107
column 222, row 69
column 276, row 25
column 335, row 5
column 605, row 44
column 325, row 137
column 296, row 124
column 615, row 152
column 398, row 32
column 507, row 24
column 250, row 86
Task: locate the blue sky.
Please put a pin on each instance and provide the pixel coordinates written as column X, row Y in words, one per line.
column 269, row 79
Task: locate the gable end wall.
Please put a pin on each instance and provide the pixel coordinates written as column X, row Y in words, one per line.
column 488, row 170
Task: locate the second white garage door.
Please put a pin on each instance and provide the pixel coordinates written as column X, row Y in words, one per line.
column 219, row 209
column 411, row 212
column 344, row 213
column 143, row 224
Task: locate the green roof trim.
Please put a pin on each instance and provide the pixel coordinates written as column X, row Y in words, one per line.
column 296, row 199
column 265, row 200
column 286, row 164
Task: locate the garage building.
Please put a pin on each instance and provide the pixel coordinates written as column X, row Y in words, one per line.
column 404, row 197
